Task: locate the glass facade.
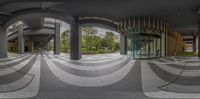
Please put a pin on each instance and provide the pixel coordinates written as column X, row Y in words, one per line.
column 143, row 46
column 146, row 36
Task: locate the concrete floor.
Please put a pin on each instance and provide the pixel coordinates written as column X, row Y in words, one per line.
column 110, row 76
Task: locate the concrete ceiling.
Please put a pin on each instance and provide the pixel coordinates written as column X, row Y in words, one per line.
column 182, row 14
column 34, row 22
column 42, row 37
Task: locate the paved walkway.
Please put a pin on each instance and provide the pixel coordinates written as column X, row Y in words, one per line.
column 111, row 76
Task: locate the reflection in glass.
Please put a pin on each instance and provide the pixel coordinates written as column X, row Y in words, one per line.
column 142, row 46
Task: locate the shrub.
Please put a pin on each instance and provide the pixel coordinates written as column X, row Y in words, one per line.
column 100, row 51
column 84, row 50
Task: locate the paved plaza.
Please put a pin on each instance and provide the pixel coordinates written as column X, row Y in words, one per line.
column 107, row 76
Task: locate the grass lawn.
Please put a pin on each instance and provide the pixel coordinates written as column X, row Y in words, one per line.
column 188, row 54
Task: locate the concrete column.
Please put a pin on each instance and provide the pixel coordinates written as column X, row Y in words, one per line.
column 32, row 46
column 47, row 46
column 123, row 45
column 20, row 40
column 163, row 49
column 76, row 41
column 3, row 43
column 57, row 39
column 199, row 40
column 199, row 45
column 194, row 45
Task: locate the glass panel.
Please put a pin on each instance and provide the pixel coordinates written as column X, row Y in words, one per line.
column 158, row 47
column 129, row 48
column 137, row 46
column 154, row 47
column 151, row 47
column 143, row 46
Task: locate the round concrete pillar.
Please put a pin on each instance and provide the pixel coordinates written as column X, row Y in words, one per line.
column 123, row 45
column 76, row 41
column 57, row 39
column 20, row 40
column 3, row 43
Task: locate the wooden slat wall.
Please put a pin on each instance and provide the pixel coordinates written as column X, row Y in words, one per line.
column 175, row 43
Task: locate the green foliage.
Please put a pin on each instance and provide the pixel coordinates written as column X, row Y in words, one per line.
column 100, row 51
column 108, row 41
column 95, row 44
column 84, row 50
column 92, row 43
column 89, row 38
column 51, row 45
column 187, row 54
column 65, row 41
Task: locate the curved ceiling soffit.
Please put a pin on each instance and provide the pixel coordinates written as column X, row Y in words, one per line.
column 20, row 15
column 99, row 23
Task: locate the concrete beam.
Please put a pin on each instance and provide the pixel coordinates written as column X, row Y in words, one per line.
column 76, row 41
column 188, row 39
column 28, row 14
column 3, row 42
column 42, row 31
column 98, row 23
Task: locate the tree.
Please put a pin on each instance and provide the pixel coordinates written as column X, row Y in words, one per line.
column 65, row 41
column 97, row 43
column 89, row 34
column 109, row 41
